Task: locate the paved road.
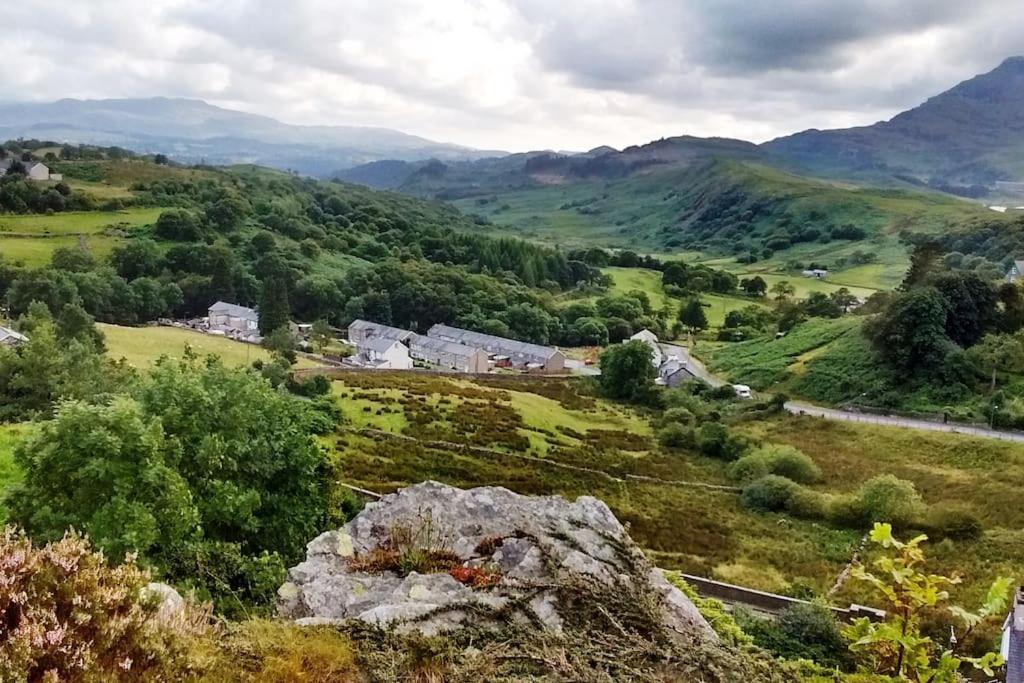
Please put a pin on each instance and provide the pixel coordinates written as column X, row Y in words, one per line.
column 904, row 422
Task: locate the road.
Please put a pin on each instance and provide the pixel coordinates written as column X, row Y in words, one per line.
column 904, row 422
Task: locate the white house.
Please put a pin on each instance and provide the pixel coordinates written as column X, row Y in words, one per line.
column 9, row 337
column 40, row 172
column 227, row 317
column 1015, row 272
column 816, row 273
column 651, row 339
column 385, row 354
column 448, row 354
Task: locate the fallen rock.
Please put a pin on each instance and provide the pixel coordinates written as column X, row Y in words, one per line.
column 433, row 558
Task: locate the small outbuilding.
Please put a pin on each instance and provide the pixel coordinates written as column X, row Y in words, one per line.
column 9, row 337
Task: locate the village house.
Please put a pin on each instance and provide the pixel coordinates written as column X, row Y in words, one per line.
column 521, row 355
column 9, row 337
column 651, row 339
column 448, row 354
column 816, row 273
column 233, row 319
column 33, row 170
column 384, row 354
column 1015, row 271
column 361, row 330
column 1013, row 640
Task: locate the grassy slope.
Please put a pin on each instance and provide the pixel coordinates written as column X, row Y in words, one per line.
column 700, row 531
column 143, row 346
column 648, row 211
column 9, row 474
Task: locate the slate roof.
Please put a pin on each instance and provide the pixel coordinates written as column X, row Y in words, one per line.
column 379, row 330
column 234, row 310
column 7, row 334
column 442, row 346
column 378, row 344
column 491, row 343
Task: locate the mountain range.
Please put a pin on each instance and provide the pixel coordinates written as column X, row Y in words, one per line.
column 967, row 141
column 194, row 131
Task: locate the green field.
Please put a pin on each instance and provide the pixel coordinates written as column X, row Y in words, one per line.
column 32, row 239
column 9, row 473
column 143, row 346
column 698, row 530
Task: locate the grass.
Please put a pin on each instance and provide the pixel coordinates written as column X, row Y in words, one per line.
column 9, row 472
column 141, row 347
column 32, row 239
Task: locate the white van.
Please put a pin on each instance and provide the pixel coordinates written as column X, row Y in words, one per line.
column 742, row 391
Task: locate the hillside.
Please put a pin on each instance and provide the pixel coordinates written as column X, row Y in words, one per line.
column 969, row 135
column 194, row 131
column 742, row 210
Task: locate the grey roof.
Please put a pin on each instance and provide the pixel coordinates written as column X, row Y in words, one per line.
column 491, row 343
column 234, row 310
column 443, row 346
column 378, row 344
column 1020, row 265
column 7, row 333
column 379, row 330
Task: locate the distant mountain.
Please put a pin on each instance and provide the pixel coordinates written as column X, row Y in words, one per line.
column 972, row 134
column 193, row 131
column 457, row 180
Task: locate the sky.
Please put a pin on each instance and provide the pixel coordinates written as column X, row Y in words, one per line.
column 516, row 74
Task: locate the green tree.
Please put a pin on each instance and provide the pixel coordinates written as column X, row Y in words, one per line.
column 178, row 225
column 320, row 335
column 782, row 291
column 137, row 258
column 1000, row 353
column 911, row 332
column 692, row 315
column 275, row 311
column 626, row 371
column 896, row 646
column 281, row 342
column 754, row 286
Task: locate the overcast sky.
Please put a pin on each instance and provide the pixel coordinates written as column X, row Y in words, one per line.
column 516, row 74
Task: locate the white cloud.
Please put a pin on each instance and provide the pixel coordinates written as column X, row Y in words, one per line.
column 516, row 74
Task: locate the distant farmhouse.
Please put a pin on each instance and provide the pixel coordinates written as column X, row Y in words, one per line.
column 9, row 337
column 33, row 170
column 816, row 273
column 519, row 354
column 651, row 339
column 234, row 321
column 1015, row 272
column 669, row 359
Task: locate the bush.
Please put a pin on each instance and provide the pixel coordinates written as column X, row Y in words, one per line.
column 800, row 632
column 715, row 441
column 66, row 615
column 883, row 498
column 784, row 461
column 769, row 494
column 955, row 523
column 676, row 436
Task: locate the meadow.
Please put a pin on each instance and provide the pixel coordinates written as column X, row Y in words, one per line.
column 698, row 530
column 32, row 239
column 141, row 347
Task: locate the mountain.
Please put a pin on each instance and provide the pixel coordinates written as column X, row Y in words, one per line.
column 193, row 130
column 457, row 180
column 970, row 135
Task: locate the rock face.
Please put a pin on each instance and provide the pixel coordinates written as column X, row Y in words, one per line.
column 495, row 551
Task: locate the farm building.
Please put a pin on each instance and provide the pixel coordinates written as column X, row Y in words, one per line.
column 384, row 354
column 9, row 337
column 227, row 317
column 448, row 354
column 651, row 339
column 816, row 273
column 361, row 330
column 1015, row 272
column 520, row 354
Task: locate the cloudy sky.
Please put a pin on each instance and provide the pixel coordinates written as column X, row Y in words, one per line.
column 516, row 74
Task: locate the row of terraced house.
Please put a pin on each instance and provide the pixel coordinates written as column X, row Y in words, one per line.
column 448, row 348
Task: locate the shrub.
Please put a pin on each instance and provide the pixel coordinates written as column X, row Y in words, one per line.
column 956, row 523
column 769, row 494
column 676, row 436
column 65, row 614
column 715, row 441
column 800, row 632
column 881, row 498
column 784, row 461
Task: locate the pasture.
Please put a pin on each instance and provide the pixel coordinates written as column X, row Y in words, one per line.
column 141, row 347
column 32, row 239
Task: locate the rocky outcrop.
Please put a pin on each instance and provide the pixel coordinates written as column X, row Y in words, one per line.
column 433, row 558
